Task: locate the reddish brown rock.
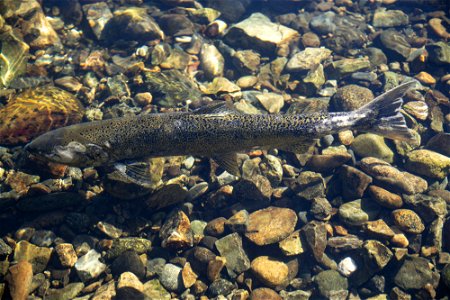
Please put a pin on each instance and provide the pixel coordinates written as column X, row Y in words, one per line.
column 264, row 294
column 19, row 279
column 408, row 221
column 272, row 272
column 385, row 198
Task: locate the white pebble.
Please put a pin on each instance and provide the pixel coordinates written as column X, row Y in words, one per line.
column 347, row 266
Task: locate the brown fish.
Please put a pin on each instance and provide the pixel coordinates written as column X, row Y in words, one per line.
column 215, row 131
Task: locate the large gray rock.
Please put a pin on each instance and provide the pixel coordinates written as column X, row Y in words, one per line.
column 89, row 266
column 231, row 248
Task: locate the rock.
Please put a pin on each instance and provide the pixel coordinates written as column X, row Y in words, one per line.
column 270, row 225
column 37, row 256
column 259, row 33
column 438, row 28
column 254, row 192
column 220, row 85
column 171, row 278
column 427, row 206
column 351, row 97
column 176, row 231
column 391, row 178
column 89, row 266
column 310, row 39
column 408, row 221
column 272, row 102
column 377, row 253
column 231, row 248
column 271, row 168
column 440, row 143
column 346, row 39
column 315, row 237
column 358, row 212
column 139, row 245
column 321, row 209
column 238, row 222
column 20, row 182
column 413, row 274
column 19, row 280
column 97, row 15
column 270, row 271
column 13, row 56
column 129, row 280
column 128, row 261
column 220, row 287
column 170, row 87
column 446, row 275
column 215, row 227
column 246, row 82
column 292, row 245
column 347, row 66
column 247, row 61
column 439, row 53
column 305, row 60
column 36, row 111
column 264, row 294
column 428, row 163
column 132, row 23
column 66, row 255
column 70, row 291
column 212, row 61
column 425, row 78
column 215, row 266
column 344, row 243
column 347, row 266
column 5, row 249
column 379, row 229
column 417, row 109
column 395, row 44
column 309, row 185
column 313, row 81
column 176, row 24
column 323, row 23
column 389, row 18
column 188, row 276
column 372, row 145
column 354, row 182
column 376, row 56
column 231, row 11
column 154, row 290
column 331, row 158
column 330, row 281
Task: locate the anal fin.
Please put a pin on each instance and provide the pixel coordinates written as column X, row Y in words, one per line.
column 229, row 162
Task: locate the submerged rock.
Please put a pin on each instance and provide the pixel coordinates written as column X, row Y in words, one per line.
column 36, row 111
column 13, row 56
column 259, row 33
column 428, row 163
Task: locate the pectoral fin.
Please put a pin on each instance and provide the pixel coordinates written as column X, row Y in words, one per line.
column 229, row 162
column 136, row 172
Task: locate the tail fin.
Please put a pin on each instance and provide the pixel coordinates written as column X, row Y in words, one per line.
column 385, row 109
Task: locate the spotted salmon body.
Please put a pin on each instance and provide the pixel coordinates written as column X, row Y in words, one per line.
column 212, row 131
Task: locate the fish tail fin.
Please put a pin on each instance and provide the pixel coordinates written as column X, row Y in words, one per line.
column 384, row 114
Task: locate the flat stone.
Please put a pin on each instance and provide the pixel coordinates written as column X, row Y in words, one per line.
column 354, row 182
column 66, row 255
column 358, row 212
column 395, row 44
column 315, row 236
column 139, row 245
column 129, row 280
column 391, row 178
column 379, row 229
column 272, row 102
column 428, row 163
column 330, row 281
column 264, row 294
column 413, row 274
column 372, row 145
column 389, row 18
column 176, row 231
column 171, row 278
column 70, row 291
column 305, row 60
column 347, row 66
column 231, row 248
column 378, row 253
column 270, row 225
column 408, row 221
column 270, row 271
column 259, row 33
column 385, row 198
column 37, row 256
column 89, row 266
column 19, row 279
column 154, row 290
column 344, row 243
column 292, row 245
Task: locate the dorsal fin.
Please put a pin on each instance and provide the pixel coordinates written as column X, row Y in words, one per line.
column 217, row 108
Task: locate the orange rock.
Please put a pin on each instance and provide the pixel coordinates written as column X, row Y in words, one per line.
column 36, row 111
column 19, row 278
column 425, row 78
